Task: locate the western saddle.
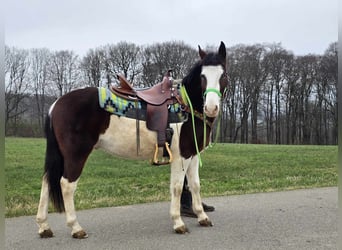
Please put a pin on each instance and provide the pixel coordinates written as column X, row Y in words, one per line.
column 158, row 99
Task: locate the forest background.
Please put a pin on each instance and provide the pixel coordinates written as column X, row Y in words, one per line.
column 274, row 96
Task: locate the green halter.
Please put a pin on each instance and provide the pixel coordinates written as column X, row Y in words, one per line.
column 212, row 90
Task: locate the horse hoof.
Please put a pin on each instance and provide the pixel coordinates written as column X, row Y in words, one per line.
column 46, row 234
column 206, row 223
column 182, row 230
column 80, row 235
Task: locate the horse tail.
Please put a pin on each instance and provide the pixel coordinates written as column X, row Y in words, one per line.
column 54, row 166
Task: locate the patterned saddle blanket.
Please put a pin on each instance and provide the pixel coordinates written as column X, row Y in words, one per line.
column 135, row 109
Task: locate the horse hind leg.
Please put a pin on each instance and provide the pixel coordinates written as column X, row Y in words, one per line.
column 41, row 218
column 68, row 191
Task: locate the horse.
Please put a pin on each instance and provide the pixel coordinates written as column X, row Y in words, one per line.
column 76, row 124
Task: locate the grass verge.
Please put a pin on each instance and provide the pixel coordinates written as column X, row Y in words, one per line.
column 110, row 181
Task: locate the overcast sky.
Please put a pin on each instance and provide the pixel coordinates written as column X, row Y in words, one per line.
column 302, row 26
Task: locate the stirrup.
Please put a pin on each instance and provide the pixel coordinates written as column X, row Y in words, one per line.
column 158, row 162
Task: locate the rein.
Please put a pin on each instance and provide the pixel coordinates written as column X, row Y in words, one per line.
column 185, row 97
column 186, row 102
column 203, row 118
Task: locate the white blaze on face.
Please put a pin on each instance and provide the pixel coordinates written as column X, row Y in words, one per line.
column 212, row 75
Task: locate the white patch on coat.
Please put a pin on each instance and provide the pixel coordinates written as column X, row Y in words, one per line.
column 120, row 139
column 51, row 107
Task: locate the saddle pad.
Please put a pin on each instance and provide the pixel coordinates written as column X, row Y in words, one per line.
column 115, row 104
column 135, row 109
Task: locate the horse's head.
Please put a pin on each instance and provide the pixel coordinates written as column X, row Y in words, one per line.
column 213, row 79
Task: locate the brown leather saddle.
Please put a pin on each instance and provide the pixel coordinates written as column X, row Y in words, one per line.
column 157, row 99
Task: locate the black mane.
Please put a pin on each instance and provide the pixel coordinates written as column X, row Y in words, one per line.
column 192, row 83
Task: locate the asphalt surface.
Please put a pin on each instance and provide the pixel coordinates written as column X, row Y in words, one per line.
column 301, row 219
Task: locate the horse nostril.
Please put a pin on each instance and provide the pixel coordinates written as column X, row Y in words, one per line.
column 212, row 111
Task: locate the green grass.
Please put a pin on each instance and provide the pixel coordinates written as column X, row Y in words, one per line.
column 111, row 181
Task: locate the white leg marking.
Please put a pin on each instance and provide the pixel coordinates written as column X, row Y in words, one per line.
column 68, row 190
column 178, row 170
column 42, row 213
column 194, row 186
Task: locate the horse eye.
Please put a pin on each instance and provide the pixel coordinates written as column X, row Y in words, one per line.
column 203, row 78
column 203, row 81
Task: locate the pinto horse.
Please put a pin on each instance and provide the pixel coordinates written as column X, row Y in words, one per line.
column 76, row 124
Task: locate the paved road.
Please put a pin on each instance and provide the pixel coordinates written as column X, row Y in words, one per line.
column 302, row 219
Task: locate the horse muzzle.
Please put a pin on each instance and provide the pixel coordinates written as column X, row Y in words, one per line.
column 211, row 110
column 212, row 102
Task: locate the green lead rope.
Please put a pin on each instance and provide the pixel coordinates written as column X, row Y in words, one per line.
column 188, row 102
column 219, row 116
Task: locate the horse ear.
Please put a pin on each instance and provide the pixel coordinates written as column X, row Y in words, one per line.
column 222, row 50
column 201, row 53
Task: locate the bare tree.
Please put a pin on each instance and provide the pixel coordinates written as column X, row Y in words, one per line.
column 16, row 66
column 230, row 105
column 247, row 74
column 277, row 60
column 92, row 66
column 307, row 67
column 259, row 72
column 40, row 59
column 161, row 57
column 329, row 70
column 290, row 96
column 64, row 71
column 123, row 58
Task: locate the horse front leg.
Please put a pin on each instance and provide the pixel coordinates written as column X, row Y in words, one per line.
column 176, row 186
column 68, row 190
column 194, row 186
column 41, row 218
